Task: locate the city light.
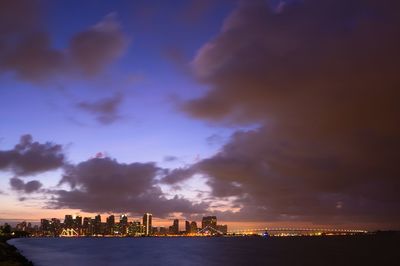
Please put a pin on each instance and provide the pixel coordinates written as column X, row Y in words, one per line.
column 76, row 226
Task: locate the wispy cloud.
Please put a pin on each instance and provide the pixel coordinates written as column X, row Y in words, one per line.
column 105, row 110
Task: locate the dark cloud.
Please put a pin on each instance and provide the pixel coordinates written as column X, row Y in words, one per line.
column 96, row 185
column 34, row 59
column 264, row 64
column 105, row 110
column 281, row 178
column 320, row 77
column 18, row 16
column 30, row 157
column 28, row 187
column 104, row 185
column 176, row 175
column 26, row 48
column 195, row 10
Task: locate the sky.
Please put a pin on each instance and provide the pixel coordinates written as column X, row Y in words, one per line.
column 263, row 113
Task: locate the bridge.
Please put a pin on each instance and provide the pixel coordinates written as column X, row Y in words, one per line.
column 288, row 231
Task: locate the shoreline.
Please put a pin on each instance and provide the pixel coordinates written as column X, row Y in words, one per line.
column 10, row 255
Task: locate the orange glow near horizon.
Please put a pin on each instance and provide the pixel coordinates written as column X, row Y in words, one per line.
column 33, row 213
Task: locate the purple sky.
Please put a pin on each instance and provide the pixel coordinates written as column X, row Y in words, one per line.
column 259, row 112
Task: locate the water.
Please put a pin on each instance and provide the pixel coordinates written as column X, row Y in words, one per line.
column 210, row 251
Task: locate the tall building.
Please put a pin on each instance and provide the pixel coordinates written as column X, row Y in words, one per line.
column 87, row 226
column 68, row 221
column 210, row 221
column 135, row 228
column 44, row 225
column 147, row 223
column 187, row 227
column 29, row 227
column 55, row 226
column 110, row 225
column 174, row 229
column 190, row 227
column 193, row 227
column 78, row 221
column 97, row 225
column 123, row 224
column 97, row 218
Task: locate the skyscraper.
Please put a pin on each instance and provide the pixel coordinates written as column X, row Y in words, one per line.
column 68, row 221
column 187, row 227
column 110, row 224
column 193, row 227
column 174, row 229
column 123, row 223
column 55, row 226
column 87, row 226
column 147, row 223
column 135, row 228
column 97, row 225
column 44, row 225
column 210, row 221
column 78, row 221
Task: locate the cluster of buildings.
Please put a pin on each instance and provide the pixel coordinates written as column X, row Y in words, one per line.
column 87, row 226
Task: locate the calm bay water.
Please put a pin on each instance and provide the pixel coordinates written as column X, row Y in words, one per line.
column 369, row 250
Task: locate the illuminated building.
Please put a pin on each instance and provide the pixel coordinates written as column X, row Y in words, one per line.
column 21, row 226
column 97, row 228
column 55, row 226
column 44, row 225
column 29, row 227
column 94, row 227
column 147, row 223
column 210, row 221
column 174, row 229
column 110, row 225
column 117, row 229
column 193, row 227
column 87, row 226
column 78, row 221
column 163, row 230
column 68, row 221
column 187, row 227
column 222, row 228
column 135, row 229
column 123, row 224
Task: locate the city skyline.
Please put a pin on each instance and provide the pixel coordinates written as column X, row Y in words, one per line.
column 263, row 113
column 75, row 225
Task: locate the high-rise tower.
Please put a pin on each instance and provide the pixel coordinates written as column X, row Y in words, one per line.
column 147, row 223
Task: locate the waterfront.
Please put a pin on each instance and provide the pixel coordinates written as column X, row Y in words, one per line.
column 10, row 256
column 335, row 250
